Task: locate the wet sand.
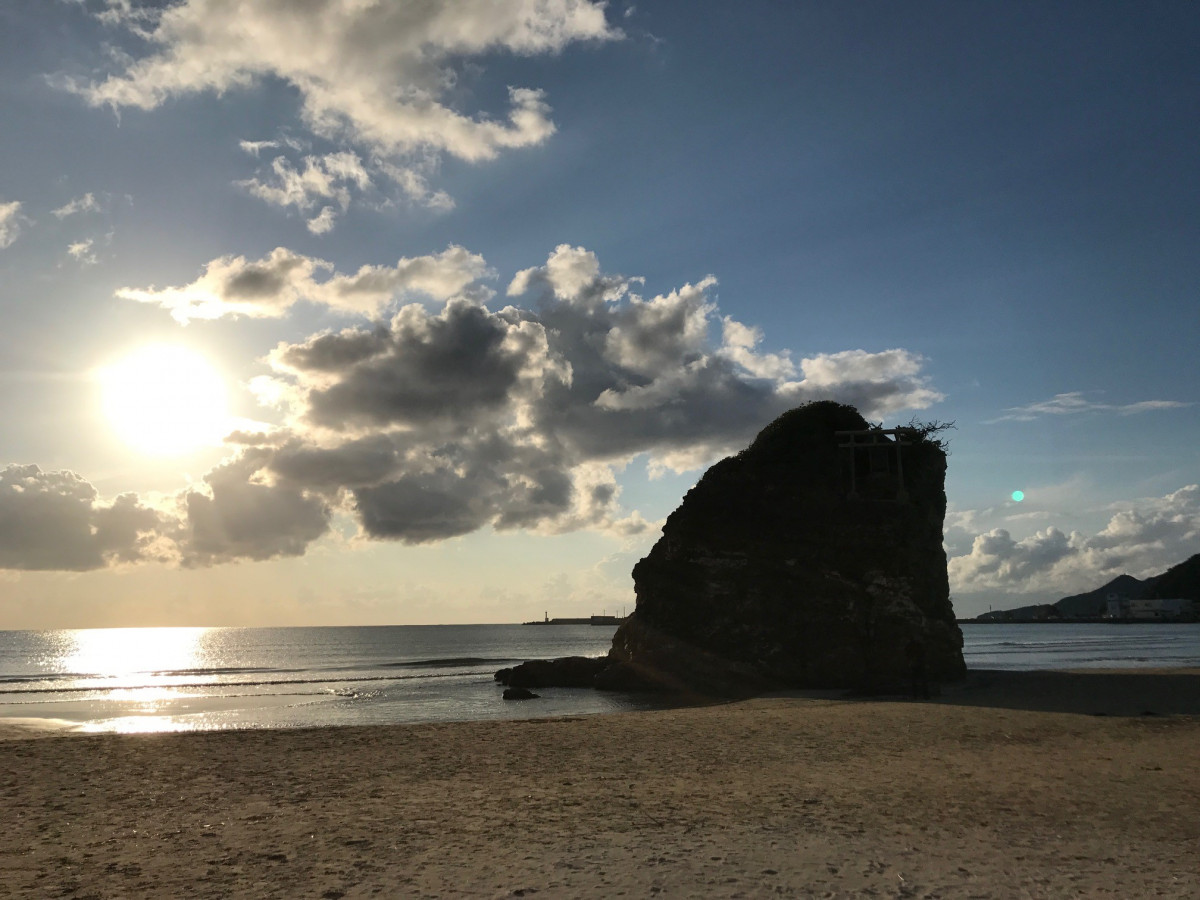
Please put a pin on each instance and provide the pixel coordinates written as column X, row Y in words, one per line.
column 1011, row 785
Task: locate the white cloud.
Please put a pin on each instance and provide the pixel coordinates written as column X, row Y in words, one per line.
column 1074, row 403
column 384, row 77
column 269, row 287
column 879, row 384
column 571, row 275
column 739, row 343
column 1142, row 539
column 836, row 368
column 11, row 222
column 322, row 222
column 84, row 204
column 324, row 178
column 82, row 252
column 256, row 147
column 377, row 73
column 412, row 182
column 331, row 181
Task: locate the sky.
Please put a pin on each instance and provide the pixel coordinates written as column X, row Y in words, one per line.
column 354, row 312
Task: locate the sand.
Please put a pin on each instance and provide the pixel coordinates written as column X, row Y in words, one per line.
column 1009, row 786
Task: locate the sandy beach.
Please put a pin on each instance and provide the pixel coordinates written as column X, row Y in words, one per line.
column 1011, row 785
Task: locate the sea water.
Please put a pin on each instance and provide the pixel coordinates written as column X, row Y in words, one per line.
column 1092, row 645
column 184, row 679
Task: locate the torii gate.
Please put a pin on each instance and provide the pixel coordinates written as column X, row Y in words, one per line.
column 876, row 438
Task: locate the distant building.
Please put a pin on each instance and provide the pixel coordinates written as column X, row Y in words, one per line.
column 1148, row 609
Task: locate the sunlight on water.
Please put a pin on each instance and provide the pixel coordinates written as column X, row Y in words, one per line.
column 138, row 663
column 115, row 652
column 144, row 696
column 138, row 724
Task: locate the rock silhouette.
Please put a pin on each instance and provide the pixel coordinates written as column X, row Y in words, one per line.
column 813, row 558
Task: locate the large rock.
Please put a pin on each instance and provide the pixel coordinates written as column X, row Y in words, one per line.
column 806, row 562
column 799, row 562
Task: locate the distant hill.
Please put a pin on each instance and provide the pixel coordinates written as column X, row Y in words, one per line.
column 1093, row 603
column 1078, row 606
column 1037, row 612
column 1180, row 581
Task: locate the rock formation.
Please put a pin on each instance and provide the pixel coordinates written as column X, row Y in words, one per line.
column 811, row 559
column 568, row 671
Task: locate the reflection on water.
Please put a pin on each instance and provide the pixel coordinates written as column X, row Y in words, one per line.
column 139, row 724
column 130, row 667
column 116, row 652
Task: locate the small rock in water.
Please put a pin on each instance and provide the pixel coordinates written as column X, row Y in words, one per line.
column 520, row 693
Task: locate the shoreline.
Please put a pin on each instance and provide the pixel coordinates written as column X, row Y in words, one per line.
column 1113, row 691
column 982, row 792
column 1076, row 621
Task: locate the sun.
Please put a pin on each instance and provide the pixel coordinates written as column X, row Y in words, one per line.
column 165, row 400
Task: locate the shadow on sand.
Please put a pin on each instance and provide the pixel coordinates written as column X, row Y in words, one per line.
column 1095, row 692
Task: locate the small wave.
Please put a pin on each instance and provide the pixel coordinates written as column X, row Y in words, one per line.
column 218, row 670
column 201, row 672
column 449, row 662
column 272, row 682
column 55, row 676
column 22, row 679
column 352, row 694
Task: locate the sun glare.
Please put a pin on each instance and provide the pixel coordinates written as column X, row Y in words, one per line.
column 165, row 400
column 117, row 652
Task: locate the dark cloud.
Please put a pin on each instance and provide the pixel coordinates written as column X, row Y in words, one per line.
column 420, row 508
column 264, row 280
column 484, row 479
column 461, row 363
column 55, row 520
column 464, row 417
column 648, row 337
column 366, row 461
column 442, row 421
column 334, row 351
column 239, row 517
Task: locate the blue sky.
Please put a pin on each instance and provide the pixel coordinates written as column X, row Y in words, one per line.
column 479, row 288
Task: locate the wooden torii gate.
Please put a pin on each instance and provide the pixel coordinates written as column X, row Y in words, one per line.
column 874, row 440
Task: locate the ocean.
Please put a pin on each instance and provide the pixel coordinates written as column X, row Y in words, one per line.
column 204, row 679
